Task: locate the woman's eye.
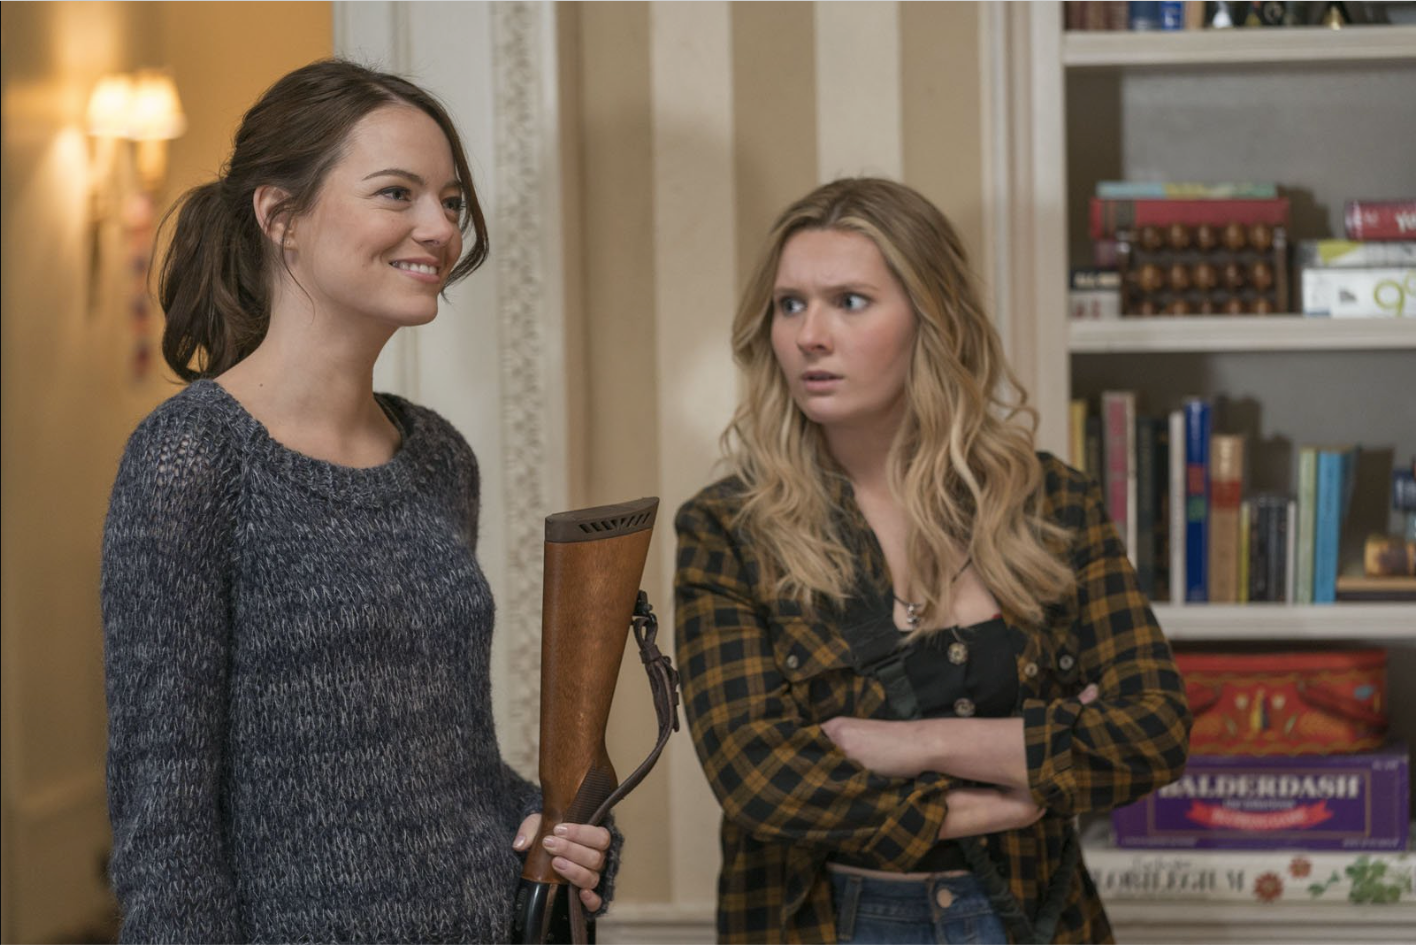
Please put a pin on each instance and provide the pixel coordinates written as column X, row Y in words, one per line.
column 854, row 302
column 453, row 205
column 395, row 193
column 789, row 305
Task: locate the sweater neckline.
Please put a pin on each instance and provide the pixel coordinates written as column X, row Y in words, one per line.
column 371, row 484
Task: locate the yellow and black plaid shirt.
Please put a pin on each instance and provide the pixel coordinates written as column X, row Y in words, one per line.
column 759, row 677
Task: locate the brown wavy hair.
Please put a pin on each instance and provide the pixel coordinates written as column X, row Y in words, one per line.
column 216, row 274
column 962, row 464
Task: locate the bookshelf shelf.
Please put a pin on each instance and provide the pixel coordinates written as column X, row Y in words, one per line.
column 1248, row 48
column 1240, row 333
column 1260, row 922
column 1280, row 623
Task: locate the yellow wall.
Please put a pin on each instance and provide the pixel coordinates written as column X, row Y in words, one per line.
column 70, row 399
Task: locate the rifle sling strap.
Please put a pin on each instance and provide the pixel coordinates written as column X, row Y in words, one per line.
column 664, row 688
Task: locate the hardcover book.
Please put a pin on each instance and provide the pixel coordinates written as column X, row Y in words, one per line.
column 1336, row 469
column 1197, row 466
column 1307, row 508
column 1108, row 216
column 1118, row 413
column 1226, row 488
column 1176, row 486
column 1381, row 219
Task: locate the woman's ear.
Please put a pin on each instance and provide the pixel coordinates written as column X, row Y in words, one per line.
column 276, row 224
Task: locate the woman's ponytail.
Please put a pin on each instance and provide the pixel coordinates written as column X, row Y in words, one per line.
column 213, row 285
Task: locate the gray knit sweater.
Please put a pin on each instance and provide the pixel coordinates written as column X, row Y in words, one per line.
column 301, row 744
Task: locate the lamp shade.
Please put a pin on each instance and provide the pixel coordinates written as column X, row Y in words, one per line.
column 155, row 111
column 109, row 105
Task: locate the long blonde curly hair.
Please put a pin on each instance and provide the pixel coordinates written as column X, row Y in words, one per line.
column 962, row 464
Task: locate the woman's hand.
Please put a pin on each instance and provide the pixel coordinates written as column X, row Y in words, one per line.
column 892, row 749
column 975, row 811
column 579, row 854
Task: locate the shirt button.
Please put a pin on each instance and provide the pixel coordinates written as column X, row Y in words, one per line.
column 1030, row 670
column 963, row 708
column 1066, row 661
column 945, row 898
column 793, row 661
column 958, row 654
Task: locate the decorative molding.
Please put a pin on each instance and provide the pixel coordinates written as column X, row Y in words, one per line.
column 518, row 226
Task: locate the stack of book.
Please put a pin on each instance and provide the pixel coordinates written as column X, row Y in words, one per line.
column 1372, row 273
column 1178, row 495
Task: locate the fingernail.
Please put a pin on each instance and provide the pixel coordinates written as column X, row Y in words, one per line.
column 551, row 843
column 519, row 842
column 562, row 830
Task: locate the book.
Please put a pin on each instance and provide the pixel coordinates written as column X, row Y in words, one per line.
column 1307, row 506
column 1225, row 489
column 1350, row 254
column 1197, row 446
column 1077, row 434
column 1333, row 491
column 1110, row 216
column 1156, row 190
column 1145, row 505
column 1175, row 482
column 1268, row 571
column 1095, row 467
column 1247, row 550
column 1296, row 877
column 1118, row 417
column 1380, row 219
column 1360, row 293
column 1290, row 520
column 1161, row 518
column 1258, row 557
column 1356, row 587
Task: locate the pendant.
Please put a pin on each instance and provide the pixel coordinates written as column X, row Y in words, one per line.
column 958, row 653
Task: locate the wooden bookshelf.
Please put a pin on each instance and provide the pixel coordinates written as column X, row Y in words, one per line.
column 1248, row 48
column 1350, row 622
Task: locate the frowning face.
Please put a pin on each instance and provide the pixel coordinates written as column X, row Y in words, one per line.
column 843, row 330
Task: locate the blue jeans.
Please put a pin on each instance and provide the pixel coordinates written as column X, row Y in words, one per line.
column 941, row 910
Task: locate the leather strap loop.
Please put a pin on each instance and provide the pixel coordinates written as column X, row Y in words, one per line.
column 664, row 689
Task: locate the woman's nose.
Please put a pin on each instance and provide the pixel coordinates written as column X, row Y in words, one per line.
column 813, row 334
column 434, row 225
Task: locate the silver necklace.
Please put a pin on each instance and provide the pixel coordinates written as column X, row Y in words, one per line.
column 914, row 613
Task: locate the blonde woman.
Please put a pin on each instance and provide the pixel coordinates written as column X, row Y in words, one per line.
column 912, row 647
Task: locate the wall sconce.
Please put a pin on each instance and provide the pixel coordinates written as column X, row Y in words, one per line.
column 142, row 108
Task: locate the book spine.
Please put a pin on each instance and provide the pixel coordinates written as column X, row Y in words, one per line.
column 1170, row 190
column 1303, row 540
column 1380, row 219
column 1095, row 467
column 1328, row 523
column 1274, row 517
column 1161, row 489
column 1175, row 483
column 1290, row 519
column 1246, row 510
column 1299, row 877
column 1118, row 410
column 1258, row 555
column 1109, row 216
column 1145, row 506
column 1226, row 489
column 1197, row 445
column 1077, row 434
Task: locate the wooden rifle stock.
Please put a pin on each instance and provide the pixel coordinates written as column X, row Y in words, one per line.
column 594, row 560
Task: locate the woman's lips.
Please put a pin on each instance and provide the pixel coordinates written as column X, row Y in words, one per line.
column 819, row 382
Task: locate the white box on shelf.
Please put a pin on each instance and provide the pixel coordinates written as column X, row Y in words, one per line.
column 1386, row 292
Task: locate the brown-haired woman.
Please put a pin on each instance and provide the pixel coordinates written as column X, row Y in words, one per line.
column 297, row 631
column 912, row 648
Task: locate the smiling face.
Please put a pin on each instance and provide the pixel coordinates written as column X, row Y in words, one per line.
column 383, row 234
column 843, row 331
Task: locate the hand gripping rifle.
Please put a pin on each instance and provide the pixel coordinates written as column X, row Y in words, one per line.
column 594, row 561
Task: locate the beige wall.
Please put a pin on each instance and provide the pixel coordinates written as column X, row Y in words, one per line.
column 70, row 398
column 691, row 127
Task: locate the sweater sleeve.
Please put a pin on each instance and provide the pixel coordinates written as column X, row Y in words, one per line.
column 1135, row 737
column 166, row 615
